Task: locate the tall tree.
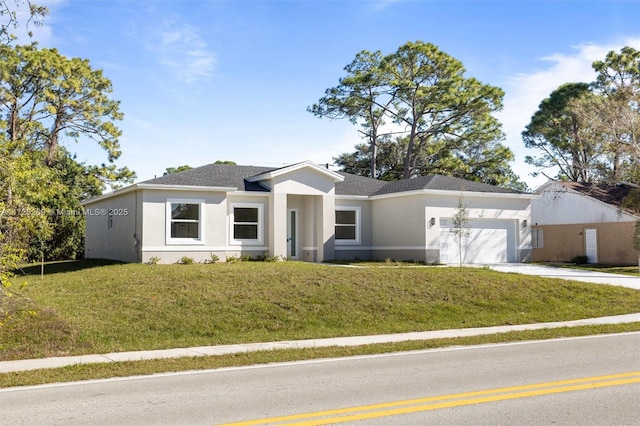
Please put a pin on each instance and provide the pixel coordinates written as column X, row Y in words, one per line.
column 592, row 132
column 562, row 136
column 46, row 98
column 436, row 103
column 363, row 97
column 617, row 117
column 423, row 93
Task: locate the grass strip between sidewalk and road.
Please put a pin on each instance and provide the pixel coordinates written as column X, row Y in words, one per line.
column 148, row 367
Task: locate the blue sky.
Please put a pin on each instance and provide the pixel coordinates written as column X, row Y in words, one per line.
column 201, row 81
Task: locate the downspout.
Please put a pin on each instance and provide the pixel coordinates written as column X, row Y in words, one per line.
column 136, row 237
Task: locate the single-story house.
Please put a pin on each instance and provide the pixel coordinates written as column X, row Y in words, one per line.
column 573, row 219
column 305, row 211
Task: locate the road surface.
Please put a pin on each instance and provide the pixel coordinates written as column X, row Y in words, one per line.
column 580, row 381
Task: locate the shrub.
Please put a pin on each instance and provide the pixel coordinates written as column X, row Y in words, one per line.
column 186, row 260
column 233, row 259
column 268, row 258
column 153, row 260
column 214, row 258
column 580, row 259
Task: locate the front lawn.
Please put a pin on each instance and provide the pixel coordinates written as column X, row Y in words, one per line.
column 124, row 307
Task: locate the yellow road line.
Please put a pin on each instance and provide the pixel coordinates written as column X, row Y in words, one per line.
column 431, row 403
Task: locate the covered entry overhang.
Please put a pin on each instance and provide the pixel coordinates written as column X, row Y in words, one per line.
column 301, row 211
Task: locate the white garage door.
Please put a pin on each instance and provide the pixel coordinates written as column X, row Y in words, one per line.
column 489, row 241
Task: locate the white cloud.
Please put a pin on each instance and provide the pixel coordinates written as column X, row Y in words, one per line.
column 525, row 91
column 184, row 52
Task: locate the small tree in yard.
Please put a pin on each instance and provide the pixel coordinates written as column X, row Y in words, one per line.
column 460, row 226
column 636, row 241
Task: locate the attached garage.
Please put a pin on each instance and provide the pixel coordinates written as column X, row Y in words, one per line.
column 488, row 241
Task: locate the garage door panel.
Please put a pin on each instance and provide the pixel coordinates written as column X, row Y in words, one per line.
column 488, row 242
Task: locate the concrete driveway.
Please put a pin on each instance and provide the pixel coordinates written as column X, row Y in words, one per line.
column 568, row 274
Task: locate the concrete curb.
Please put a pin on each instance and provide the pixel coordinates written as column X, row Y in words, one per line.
column 56, row 362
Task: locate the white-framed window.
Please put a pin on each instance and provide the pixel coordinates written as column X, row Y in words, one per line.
column 185, row 221
column 247, row 223
column 347, row 225
column 537, row 238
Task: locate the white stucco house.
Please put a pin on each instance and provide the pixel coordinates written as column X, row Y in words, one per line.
column 572, row 219
column 305, row 211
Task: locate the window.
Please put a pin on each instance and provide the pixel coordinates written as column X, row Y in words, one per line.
column 185, row 223
column 246, row 223
column 537, row 238
column 347, row 225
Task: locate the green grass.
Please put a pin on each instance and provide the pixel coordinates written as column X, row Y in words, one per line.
column 624, row 270
column 97, row 308
column 134, row 368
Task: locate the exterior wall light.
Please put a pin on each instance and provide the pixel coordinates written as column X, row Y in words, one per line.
column 524, row 223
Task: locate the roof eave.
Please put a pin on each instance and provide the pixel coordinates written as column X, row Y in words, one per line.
column 288, row 169
column 158, row 187
column 450, row 192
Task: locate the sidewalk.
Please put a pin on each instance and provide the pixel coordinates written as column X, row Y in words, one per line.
column 35, row 364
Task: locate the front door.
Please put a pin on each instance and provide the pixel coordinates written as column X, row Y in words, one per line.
column 292, row 234
column 591, row 242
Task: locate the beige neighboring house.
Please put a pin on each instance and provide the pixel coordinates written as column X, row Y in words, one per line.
column 305, row 211
column 574, row 219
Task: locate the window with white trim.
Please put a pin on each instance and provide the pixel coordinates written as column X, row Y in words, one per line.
column 246, row 223
column 537, row 238
column 347, row 225
column 185, row 223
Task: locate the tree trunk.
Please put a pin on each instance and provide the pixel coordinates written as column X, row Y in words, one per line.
column 374, row 159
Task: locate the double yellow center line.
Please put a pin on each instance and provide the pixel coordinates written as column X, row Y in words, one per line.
column 373, row 411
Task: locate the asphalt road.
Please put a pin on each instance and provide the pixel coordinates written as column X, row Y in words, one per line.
column 578, row 381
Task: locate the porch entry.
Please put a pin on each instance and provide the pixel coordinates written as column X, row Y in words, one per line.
column 292, row 234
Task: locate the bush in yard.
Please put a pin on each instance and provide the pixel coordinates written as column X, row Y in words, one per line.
column 580, row 259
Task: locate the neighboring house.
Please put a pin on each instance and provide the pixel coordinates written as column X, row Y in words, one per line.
column 574, row 219
column 306, row 212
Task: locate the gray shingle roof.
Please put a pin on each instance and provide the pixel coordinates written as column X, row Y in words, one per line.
column 215, row 175
column 358, row 185
column 613, row 194
column 439, row 182
column 225, row 175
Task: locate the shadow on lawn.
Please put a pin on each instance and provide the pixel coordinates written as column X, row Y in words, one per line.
column 64, row 266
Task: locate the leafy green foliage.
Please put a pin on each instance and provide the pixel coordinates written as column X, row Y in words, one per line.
column 172, row 170
column 561, row 137
column 590, row 132
column 444, row 120
column 45, row 100
column 186, row 260
column 484, row 163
